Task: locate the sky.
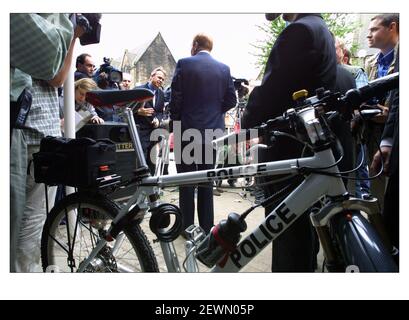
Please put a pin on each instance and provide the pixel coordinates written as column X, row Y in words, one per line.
column 233, row 36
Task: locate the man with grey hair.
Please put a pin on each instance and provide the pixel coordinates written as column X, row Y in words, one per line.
column 126, row 81
column 149, row 114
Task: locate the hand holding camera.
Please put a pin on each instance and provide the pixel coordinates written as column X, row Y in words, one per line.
column 78, row 32
column 108, row 77
column 87, row 27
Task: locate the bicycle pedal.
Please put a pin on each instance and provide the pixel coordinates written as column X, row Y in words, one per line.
column 194, row 233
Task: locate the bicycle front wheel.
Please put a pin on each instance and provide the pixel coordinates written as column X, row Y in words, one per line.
column 361, row 247
column 75, row 225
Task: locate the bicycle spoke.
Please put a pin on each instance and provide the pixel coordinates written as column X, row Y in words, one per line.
column 64, row 247
column 70, row 245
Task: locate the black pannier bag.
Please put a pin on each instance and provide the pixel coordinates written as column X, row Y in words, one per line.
column 81, row 163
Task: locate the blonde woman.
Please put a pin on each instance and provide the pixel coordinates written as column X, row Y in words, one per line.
column 82, row 86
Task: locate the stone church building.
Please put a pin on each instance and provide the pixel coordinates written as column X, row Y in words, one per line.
column 140, row 61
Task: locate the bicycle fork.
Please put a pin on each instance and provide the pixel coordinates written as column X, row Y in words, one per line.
column 320, row 221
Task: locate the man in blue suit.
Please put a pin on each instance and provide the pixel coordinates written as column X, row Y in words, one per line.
column 149, row 115
column 202, row 91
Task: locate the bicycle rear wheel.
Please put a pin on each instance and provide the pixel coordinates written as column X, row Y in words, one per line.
column 75, row 225
column 360, row 245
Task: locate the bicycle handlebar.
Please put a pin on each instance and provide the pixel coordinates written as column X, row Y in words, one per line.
column 375, row 88
column 327, row 99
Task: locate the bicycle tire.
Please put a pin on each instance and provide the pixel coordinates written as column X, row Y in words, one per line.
column 361, row 247
column 93, row 214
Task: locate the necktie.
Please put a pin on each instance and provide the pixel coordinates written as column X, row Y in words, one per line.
column 155, row 93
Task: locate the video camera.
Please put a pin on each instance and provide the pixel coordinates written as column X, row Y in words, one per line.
column 238, row 86
column 108, row 77
column 90, row 23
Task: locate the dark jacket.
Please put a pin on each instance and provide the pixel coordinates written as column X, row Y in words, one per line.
column 202, row 91
column 340, row 126
column 391, row 131
column 145, row 123
column 80, row 75
column 345, row 80
column 303, row 57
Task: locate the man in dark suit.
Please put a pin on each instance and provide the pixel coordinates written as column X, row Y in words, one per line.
column 202, row 91
column 149, row 114
column 389, row 152
column 303, row 57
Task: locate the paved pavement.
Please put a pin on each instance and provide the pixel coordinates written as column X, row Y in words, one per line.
column 231, row 200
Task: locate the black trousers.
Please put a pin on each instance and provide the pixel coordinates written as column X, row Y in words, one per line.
column 147, row 145
column 378, row 185
column 391, row 208
column 205, row 208
column 295, row 250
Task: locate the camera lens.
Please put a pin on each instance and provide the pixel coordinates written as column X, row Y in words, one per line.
column 115, row 76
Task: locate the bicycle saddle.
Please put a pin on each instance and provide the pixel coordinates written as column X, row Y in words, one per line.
column 100, row 98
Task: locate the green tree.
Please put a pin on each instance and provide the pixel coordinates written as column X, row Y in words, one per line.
column 341, row 25
column 271, row 31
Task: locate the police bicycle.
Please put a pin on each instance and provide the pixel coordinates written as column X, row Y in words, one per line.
column 109, row 239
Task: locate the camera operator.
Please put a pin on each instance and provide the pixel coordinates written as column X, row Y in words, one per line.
column 90, row 23
column 41, row 48
column 233, row 154
column 108, row 78
column 241, row 86
column 42, row 119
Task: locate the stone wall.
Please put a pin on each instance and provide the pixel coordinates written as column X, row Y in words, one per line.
column 157, row 54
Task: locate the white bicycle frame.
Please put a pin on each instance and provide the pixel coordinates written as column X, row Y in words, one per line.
column 287, row 212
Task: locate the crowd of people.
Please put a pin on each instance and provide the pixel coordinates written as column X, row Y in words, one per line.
column 305, row 56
